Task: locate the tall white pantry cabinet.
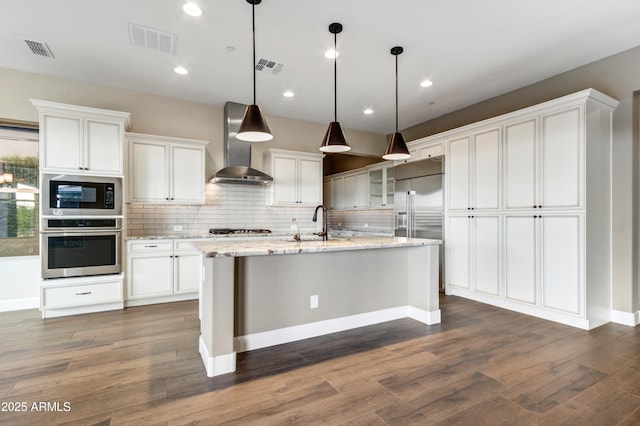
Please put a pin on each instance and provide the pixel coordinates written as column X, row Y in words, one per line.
column 528, row 210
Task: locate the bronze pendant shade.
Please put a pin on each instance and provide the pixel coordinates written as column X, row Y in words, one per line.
column 334, row 140
column 254, row 128
column 397, row 148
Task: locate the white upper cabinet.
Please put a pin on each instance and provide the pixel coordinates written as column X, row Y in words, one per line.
column 81, row 140
column 297, row 177
column 165, row 170
column 520, row 164
column 473, row 175
column 381, row 185
column 544, row 166
column 561, row 156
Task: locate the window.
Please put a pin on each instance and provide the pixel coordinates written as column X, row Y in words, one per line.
column 19, row 190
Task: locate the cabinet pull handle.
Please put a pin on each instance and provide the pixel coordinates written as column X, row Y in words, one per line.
column 83, row 293
column 153, row 246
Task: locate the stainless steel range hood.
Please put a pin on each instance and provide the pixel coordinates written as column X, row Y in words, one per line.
column 237, row 153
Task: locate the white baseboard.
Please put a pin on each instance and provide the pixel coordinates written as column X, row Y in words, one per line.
column 19, row 304
column 319, row 328
column 217, row 365
column 625, row 318
column 89, row 309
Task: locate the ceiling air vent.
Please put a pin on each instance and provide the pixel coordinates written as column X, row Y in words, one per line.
column 39, row 48
column 150, row 38
column 266, row 65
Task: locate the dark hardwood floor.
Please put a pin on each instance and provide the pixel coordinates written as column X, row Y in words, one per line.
column 481, row 366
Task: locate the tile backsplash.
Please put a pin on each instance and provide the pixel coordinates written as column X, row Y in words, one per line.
column 244, row 206
column 226, row 206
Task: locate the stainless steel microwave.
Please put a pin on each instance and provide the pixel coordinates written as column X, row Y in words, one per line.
column 74, row 195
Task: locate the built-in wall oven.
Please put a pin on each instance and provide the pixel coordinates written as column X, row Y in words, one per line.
column 80, row 247
column 76, row 195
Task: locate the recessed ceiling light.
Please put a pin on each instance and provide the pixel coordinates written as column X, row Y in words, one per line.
column 181, row 70
column 288, row 94
column 426, row 83
column 368, row 111
column 192, row 9
column 330, row 54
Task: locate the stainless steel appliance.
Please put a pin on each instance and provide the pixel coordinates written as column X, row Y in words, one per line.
column 419, row 201
column 237, row 153
column 73, row 195
column 80, row 247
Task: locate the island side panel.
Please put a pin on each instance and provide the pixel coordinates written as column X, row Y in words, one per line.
column 274, row 291
column 217, row 323
column 422, row 278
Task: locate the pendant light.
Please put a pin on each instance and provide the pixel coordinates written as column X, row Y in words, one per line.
column 334, row 140
column 397, row 148
column 254, row 128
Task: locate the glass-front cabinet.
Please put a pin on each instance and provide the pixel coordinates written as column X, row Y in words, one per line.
column 381, row 186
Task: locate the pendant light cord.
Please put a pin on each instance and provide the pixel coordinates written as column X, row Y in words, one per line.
column 253, row 65
column 335, row 77
column 396, row 93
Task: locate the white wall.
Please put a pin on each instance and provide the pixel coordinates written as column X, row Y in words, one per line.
column 19, row 283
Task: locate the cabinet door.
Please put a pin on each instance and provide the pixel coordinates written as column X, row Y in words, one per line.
column 457, row 252
column 486, row 170
column 520, row 165
column 150, row 276
column 187, row 273
column 187, row 180
column 390, row 186
column 337, row 193
column 459, row 174
column 520, row 258
column 103, row 147
column 61, row 143
column 285, row 180
column 486, row 254
column 376, row 188
column 561, row 159
column 362, row 189
column 349, row 183
column 561, row 265
column 310, row 181
column 148, row 172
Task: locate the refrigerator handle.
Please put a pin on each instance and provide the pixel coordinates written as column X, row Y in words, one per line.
column 411, row 213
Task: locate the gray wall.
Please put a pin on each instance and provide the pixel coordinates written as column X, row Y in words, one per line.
column 617, row 76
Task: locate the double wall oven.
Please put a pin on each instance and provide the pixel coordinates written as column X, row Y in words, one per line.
column 81, row 229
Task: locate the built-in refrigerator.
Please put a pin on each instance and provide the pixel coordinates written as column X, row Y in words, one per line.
column 418, row 201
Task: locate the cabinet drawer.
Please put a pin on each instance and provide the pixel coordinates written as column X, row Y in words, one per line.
column 431, row 151
column 186, row 245
column 151, row 246
column 81, row 295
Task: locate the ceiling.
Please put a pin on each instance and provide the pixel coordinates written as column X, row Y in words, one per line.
column 471, row 50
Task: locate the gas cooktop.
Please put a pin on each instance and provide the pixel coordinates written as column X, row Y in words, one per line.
column 227, row 231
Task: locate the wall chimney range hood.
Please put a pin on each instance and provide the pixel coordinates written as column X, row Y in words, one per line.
column 237, row 154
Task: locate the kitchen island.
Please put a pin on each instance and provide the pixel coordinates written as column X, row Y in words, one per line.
column 268, row 291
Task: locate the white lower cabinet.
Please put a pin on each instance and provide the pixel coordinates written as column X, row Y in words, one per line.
column 160, row 271
column 80, row 295
column 473, row 253
column 543, row 261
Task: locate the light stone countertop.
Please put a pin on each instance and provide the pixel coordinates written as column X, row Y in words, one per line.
column 270, row 246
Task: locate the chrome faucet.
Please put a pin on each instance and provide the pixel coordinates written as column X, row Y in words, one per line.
column 323, row 233
column 297, row 234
